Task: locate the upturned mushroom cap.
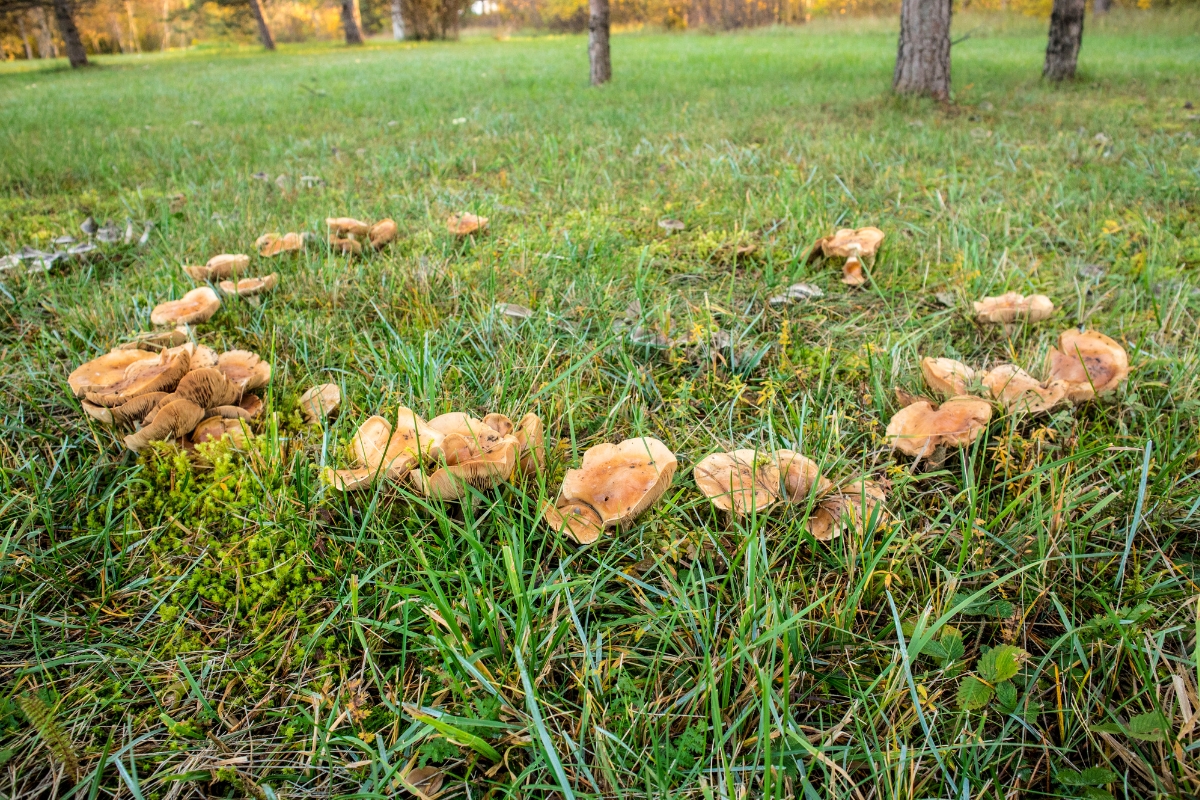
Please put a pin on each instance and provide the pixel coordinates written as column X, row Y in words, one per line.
column 379, row 449
column 174, row 420
column 1020, row 392
column 196, row 306
column 530, row 435
column 857, row 504
column 852, row 272
column 918, row 429
column 1013, row 307
column 157, row 340
column 473, row 452
column 465, row 224
column 248, row 287
column 221, row 266
column 614, row 484
column 1090, row 363
column 105, row 370
column 126, row 414
column 347, row 226
column 382, row 233
column 345, row 246
column 861, row 243
column 320, row 402
column 142, row 377
column 252, row 404
column 272, row 244
column 946, row 376
column 214, row 428
column 743, row 481
column 208, row 388
column 244, row 369
column 800, row 476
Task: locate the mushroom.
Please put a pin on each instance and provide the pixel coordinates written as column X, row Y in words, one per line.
column 947, row 376
column 847, row 242
column 252, row 404
column 272, row 244
column 215, row 428
column 157, row 340
column 530, row 436
column 1089, row 362
column 1018, row 391
column 141, row 377
column 195, row 306
column 345, row 246
column 856, row 504
column 799, row 475
column 208, row 388
column 126, row 414
column 382, row 233
column 614, row 484
column 465, row 224
column 472, row 453
column 514, row 311
column 671, row 225
column 105, row 370
column 320, row 402
column 918, row 429
column 379, row 449
column 248, row 287
column 852, row 272
column 244, row 369
column 221, row 266
column 1011, row 308
column 743, row 481
column 347, row 226
column 173, row 420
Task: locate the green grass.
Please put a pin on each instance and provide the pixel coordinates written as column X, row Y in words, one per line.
column 245, row 631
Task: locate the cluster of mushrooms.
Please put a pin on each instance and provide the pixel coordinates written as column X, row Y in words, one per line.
column 164, row 386
column 347, row 235
column 854, row 246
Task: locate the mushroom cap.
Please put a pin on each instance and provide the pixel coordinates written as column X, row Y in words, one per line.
column 157, row 340
column 379, row 449
column 208, row 388
column 231, row 412
column 500, row 423
column 482, row 470
column 861, row 242
column 1012, row 307
column 799, row 475
column 514, row 311
column 126, row 414
column 382, row 233
column 743, row 481
column 856, row 504
column 244, row 369
column 250, row 286
column 530, row 435
column 1020, row 392
column 349, row 480
column 319, row 402
column 142, row 377
column 105, row 370
column 465, row 224
column 220, row 266
column 252, row 404
column 345, row 246
column 196, row 306
column 1090, row 363
column 272, row 244
column 919, row 428
column 946, row 376
column 617, row 482
column 852, row 272
column 347, row 225
column 214, row 428
column 176, row 419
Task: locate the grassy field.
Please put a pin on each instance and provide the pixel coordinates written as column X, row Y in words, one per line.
column 171, row 630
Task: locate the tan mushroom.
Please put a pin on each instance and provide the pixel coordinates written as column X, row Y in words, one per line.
column 946, row 376
column 199, row 355
column 862, row 243
column 198, row 305
column 174, row 420
column 215, row 428
column 382, row 233
column 800, row 476
column 465, row 224
column 248, row 287
column 128, row 413
column 470, row 453
column 1090, row 364
column 272, row 244
column 1020, row 392
column 857, row 504
column 345, row 246
column 347, row 226
column 743, row 481
column 852, row 272
column 1013, row 307
column 221, row 266
column 918, row 429
column 530, row 436
column 141, row 377
column 381, row 450
column 320, row 402
column 231, row 412
column 614, row 484
column 252, row 404
column 105, row 370
column 157, row 340
column 208, row 388
column 244, row 369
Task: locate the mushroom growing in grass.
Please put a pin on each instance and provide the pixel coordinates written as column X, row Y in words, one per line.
column 105, row 370
column 471, row 452
column 218, row 267
column 244, row 369
column 351, row 247
column 272, row 244
column 347, row 226
column 320, row 402
column 946, row 376
column 198, row 305
column 465, row 224
column 612, row 487
column 381, row 450
column 249, row 287
column 160, row 373
column 1020, row 392
column 1012, row 308
column 382, row 233
column 921, row 427
column 859, row 504
column 217, row 427
column 173, row 420
column 854, row 245
column 743, row 481
column 1089, row 363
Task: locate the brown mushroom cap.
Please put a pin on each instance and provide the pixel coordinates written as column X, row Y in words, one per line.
column 244, row 369
column 530, row 436
column 105, row 370
column 852, row 272
column 918, row 429
column 465, row 224
column 613, row 485
column 221, row 266
column 174, row 420
column 345, row 246
column 252, row 404
column 208, row 388
column 800, row 476
column 379, row 449
column 230, row 412
column 1090, row 363
column 860, row 243
column 1020, row 392
column 157, row 340
column 343, row 226
column 126, row 414
column 854, row 504
column 946, row 376
column 474, row 452
column 215, row 428
column 382, row 233
column 743, row 481
column 1013, row 307
column 196, row 306
column 247, row 287
column 320, row 402
column 142, row 377
column 272, row 244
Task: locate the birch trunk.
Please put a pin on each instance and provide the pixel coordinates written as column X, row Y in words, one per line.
column 397, row 21
column 1066, row 35
column 923, row 59
column 598, row 53
column 350, row 23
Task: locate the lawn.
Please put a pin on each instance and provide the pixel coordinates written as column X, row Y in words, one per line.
column 235, row 627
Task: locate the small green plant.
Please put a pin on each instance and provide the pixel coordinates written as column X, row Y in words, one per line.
column 1086, row 784
column 992, row 681
column 1148, row 727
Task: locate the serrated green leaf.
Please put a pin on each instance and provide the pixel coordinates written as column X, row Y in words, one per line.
column 1000, row 663
column 973, row 693
column 1001, row 609
column 953, row 645
column 1006, row 695
column 1092, row 793
column 1149, row 727
column 935, row 650
column 1109, row 727
column 1098, row 776
column 1069, row 777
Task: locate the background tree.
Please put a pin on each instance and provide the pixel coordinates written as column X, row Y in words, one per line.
column 264, row 31
column 1101, row 7
column 1066, row 35
column 350, row 23
column 397, row 21
column 923, row 58
column 64, row 18
column 598, row 53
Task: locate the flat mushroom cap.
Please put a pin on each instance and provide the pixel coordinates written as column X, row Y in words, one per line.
column 863, row 243
column 272, row 244
column 799, row 475
column 248, row 287
column 919, row 428
column 208, row 388
column 855, row 504
column 319, row 402
column 1012, row 307
column 221, row 266
column 946, row 376
column 176, row 419
column 382, row 233
column 347, row 225
column 743, row 481
column 157, row 340
column 142, row 377
column 1090, row 363
column 244, row 369
column 105, row 370
column 196, row 306
column 345, row 246
column 1020, row 392
column 465, row 224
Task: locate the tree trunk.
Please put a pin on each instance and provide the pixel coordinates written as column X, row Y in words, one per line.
column 46, row 46
column 64, row 16
column 350, row 23
column 166, row 34
column 24, row 36
column 133, row 31
column 264, row 32
column 923, row 59
column 397, row 21
column 1066, row 34
column 598, row 55
column 1100, row 7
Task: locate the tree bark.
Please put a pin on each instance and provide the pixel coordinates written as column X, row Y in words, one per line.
column 350, row 23
column 24, row 37
column 923, row 58
column 64, row 16
column 264, row 32
column 397, row 21
column 1101, row 6
column 46, row 45
column 598, row 53
column 1066, row 35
